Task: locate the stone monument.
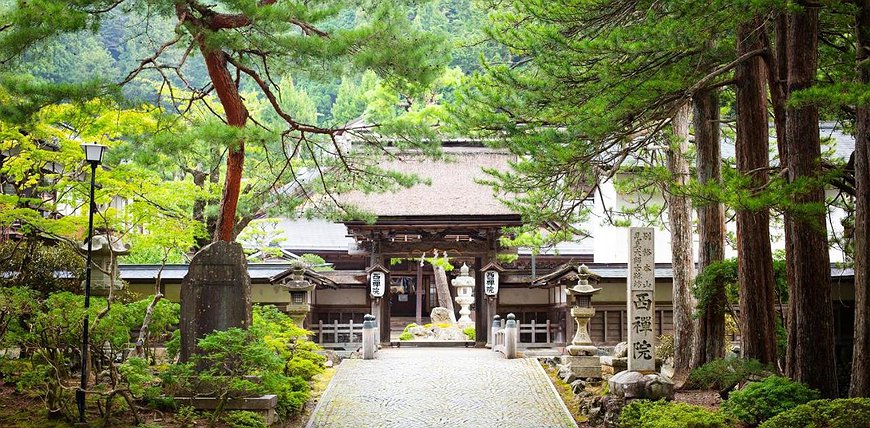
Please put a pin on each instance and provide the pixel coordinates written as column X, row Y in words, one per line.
column 215, row 294
column 641, row 379
column 582, row 360
column 105, row 262
column 464, row 288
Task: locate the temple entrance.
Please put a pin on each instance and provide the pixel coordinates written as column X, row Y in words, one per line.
column 403, row 296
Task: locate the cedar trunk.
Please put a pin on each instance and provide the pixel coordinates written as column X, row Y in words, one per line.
column 811, row 328
column 709, row 338
column 860, row 386
column 754, row 261
column 680, row 220
column 778, row 79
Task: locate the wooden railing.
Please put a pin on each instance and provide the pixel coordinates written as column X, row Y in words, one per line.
column 337, row 334
column 537, row 331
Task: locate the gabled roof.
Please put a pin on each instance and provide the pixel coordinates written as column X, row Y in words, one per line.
column 454, row 188
column 568, row 272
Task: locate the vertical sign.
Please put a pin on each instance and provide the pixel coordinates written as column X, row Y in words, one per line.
column 377, row 284
column 490, row 279
column 641, row 300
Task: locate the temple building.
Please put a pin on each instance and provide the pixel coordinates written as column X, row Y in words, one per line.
column 455, row 214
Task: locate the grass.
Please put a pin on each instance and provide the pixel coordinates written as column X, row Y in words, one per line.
column 572, row 402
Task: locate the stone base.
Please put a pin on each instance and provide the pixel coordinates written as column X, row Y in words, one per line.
column 579, row 367
column 264, row 405
column 612, row 365
column 631, row 384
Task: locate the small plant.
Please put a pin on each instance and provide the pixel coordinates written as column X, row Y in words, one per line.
column 840, row 413
column 760, row 401
column 665, row 348
column 186, row 416
column 244, row 419
column 406, row 336
column 470, row 333
column 726, row 373
column 662, row 414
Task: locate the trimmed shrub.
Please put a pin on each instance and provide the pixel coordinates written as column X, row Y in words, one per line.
column 244, row 419
column 840, row 413
column 406, row 336
column 470, row 333
column 760, row 401
column 663, row 414
column 725, row 373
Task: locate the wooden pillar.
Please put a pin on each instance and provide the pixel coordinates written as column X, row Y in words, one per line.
column 419, row 292
column 480, row 313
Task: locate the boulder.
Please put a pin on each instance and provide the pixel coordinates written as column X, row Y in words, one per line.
column 633, row 384
column 440, row 315
column 620, row 350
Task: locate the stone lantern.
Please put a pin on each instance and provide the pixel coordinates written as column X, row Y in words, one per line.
column 582, row 311
column 300, row 293
column 464, row 284
column 104, row 260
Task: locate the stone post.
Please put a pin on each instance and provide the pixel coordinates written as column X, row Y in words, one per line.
column 369, row 338
column 215, row 294
column 641, row 379
column 641, row 301
column 511, row 337
column 496, row 325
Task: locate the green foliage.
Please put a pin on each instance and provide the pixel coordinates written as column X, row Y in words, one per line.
column 725, row 373
column 186, row 416
column 406, row 336
column 36, row 265
column 760, row 401
column 244, row 419
column 317, row 263
column 665, row 347
column 274, row 349
column 470, row 333
column 839, row 413
column 661, row 414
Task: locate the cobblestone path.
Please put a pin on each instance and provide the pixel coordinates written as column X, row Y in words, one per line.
column 440, row 387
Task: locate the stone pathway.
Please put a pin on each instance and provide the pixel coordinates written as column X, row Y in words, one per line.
column 440, row 387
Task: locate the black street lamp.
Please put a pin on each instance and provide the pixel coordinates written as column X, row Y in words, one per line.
column 94, row 155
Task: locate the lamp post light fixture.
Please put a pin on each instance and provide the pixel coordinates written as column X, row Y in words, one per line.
column 94, row 156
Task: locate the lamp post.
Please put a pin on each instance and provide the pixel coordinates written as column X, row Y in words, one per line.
column 93, row 155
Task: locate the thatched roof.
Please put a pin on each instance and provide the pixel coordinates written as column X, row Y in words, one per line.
column 453, row 190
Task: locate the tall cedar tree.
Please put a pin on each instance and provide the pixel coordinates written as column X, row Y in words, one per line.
column 860, row 386
column 811, row 329
column 680, row 221
column 594, row 85
column 754, row 264
column 709, row 339
column 244, row 41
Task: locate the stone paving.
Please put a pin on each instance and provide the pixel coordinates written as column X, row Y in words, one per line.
column 440, row 387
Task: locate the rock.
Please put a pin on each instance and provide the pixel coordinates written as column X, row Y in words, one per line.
column 567, row 377
column 440, row 315
column 620, row 350
column 448, row 333
column 578, row 386
column 327, row 364
column 612, row 409
column 632, row 384
column 419, row 331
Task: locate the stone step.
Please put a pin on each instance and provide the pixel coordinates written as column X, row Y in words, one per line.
column 433, row 343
